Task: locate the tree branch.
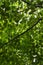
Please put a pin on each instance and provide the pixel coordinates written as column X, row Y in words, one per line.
column 14, row 38
column 28, row 29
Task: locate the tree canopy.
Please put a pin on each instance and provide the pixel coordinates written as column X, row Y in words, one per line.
column 21, row 32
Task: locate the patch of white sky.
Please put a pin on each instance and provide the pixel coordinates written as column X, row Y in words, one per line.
column 34, row 58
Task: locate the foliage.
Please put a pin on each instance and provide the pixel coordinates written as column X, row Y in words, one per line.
column 21, row 32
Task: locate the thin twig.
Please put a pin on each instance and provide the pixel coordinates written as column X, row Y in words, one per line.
column 14, row 38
